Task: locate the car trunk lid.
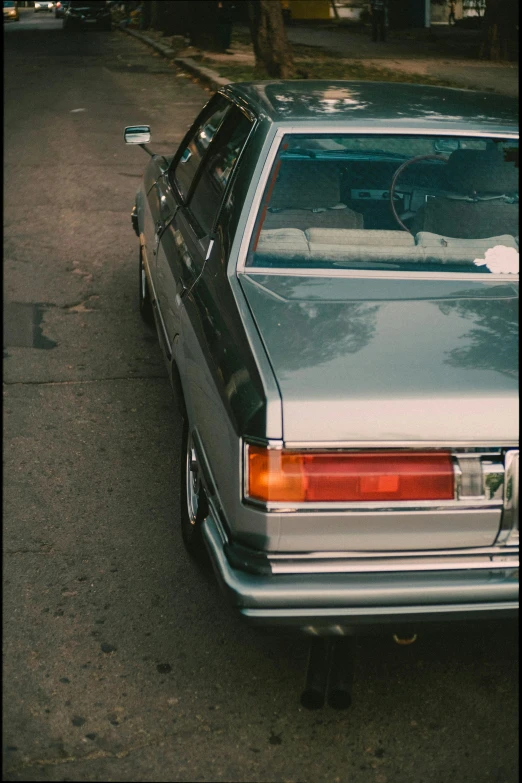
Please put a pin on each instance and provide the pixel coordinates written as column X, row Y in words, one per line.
column 390, row 360
column 381, row 363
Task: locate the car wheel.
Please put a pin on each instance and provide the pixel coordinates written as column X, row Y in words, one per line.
column 145, row 301
column 193, row 501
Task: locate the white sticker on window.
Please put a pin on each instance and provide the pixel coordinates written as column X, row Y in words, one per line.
column 500, row 260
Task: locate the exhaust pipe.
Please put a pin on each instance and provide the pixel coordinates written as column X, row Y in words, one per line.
column 341, row 673
column 312, row 697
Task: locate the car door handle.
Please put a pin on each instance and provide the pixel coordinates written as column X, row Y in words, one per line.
column 158, row 228
column 182, row 290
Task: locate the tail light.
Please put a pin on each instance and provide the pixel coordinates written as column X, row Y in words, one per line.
column 292, row 476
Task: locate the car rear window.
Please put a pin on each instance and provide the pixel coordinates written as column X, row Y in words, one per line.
column 390, row 202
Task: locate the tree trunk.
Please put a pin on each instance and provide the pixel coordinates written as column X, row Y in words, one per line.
column 198, row 20
column 500, row 41
column 174, row 17
column 203, row 24
column 156, row 14
column 271, row 47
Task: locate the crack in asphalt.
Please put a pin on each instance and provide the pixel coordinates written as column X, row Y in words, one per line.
column 88, row 380
column 96, row 754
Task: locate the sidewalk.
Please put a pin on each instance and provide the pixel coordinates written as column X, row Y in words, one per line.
column 448, row 56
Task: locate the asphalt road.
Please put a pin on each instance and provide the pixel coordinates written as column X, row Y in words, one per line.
column 121, row 661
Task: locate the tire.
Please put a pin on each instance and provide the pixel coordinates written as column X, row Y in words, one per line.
column 192, row 500
column 145, row 302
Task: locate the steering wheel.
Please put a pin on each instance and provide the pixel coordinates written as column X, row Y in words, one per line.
column 397, row 175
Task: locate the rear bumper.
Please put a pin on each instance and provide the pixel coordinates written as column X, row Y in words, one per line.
column 344, row 603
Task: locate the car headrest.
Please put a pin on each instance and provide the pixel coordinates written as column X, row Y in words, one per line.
column 482, row 171
column 304, row 184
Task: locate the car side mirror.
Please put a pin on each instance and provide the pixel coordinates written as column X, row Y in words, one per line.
column 137, row 134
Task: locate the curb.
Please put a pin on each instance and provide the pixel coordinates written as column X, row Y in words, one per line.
column 207, row 75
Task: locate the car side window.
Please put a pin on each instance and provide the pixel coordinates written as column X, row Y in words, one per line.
column 218, row 167
column 208, row 123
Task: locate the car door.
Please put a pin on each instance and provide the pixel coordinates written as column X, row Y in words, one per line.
column 179, row 250
column 206, row 350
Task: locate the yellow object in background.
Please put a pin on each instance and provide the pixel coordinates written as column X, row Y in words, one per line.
column 307, row 9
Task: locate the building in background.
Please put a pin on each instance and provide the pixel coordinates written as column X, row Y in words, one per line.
column 401, row 13
column 440, row 12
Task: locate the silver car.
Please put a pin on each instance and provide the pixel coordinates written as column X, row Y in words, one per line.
column 333, row 272
column 43, row 5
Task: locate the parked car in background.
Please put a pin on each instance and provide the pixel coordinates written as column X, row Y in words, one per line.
column 11, row 13
column 332, row 268
column 82, row 14
column 43, row 5
column 59, row 9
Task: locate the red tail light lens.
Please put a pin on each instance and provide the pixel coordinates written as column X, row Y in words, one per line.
column 290, row 476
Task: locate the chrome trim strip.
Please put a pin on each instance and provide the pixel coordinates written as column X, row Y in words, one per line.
column 380, row 611
column 246, row 467
column 153, row 290
column 482, row 447
column 406, row 553
column 256, row 201
column 238, row 101
column 509, row 529
column 372, row 130
column 397, row 566
column 373, row 273
column 371, row 506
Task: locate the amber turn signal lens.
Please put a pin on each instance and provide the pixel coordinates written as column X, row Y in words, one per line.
column 291, row 476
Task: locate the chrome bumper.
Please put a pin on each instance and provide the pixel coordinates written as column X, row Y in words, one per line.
column 333, row 602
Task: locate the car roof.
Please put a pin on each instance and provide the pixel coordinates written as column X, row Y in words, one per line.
column 377, row 104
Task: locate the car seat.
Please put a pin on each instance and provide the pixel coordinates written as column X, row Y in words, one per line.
column 307, row 195
column 483, row 198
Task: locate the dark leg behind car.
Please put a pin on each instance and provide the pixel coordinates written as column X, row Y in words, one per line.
column 378, row 26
